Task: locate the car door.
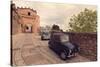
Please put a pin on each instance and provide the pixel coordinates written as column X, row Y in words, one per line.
column 57, row 44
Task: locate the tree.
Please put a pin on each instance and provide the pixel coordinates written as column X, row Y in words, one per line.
column 85, row 21
column 48, row 27
column 55, row 27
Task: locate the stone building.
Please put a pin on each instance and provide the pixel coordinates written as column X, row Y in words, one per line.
column 24, row 20
column 14, row 20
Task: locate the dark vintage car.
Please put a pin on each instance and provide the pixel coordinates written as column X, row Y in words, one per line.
column 61, row 45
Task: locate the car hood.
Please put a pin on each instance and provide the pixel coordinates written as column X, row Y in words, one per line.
column 69, row 45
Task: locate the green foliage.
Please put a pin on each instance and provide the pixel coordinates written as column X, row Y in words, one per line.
column 55, row 27
column 85, row 21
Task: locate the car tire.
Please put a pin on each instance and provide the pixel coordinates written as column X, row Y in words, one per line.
column 50, row 47
column 63, row 56
column 42, row 38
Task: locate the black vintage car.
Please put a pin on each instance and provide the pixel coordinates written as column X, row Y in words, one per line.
column 60, row 44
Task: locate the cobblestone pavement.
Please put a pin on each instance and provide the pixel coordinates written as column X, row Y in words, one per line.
column 29, row 49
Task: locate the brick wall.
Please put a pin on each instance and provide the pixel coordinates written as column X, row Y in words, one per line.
column 87, row 43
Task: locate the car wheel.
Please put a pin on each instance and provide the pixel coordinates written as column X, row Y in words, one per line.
column 49, row 46
column 42, row 38
column 63, row 56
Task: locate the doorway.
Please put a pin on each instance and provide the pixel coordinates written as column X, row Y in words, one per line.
column 28, row 28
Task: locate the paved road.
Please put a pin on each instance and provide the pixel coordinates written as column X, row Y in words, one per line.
column 29, row 49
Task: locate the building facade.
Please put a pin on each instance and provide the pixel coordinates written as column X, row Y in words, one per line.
column 24, row 20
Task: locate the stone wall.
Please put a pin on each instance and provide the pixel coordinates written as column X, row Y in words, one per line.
column 87, row 43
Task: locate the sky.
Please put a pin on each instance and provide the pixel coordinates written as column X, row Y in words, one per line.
column 54, row 13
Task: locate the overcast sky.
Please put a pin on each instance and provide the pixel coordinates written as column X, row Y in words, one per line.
column 54, row 13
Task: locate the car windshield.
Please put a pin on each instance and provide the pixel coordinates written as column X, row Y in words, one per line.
column 46, row 33
column 64, row 38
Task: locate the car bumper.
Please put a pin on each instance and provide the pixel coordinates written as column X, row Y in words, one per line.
column 73, row 55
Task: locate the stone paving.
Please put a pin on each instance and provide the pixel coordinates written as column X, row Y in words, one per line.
column 29, row 49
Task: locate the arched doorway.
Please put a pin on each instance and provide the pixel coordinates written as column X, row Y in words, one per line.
column 28, row 28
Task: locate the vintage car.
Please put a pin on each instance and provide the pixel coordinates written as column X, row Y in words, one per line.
column 45, row 35
column 61, row 45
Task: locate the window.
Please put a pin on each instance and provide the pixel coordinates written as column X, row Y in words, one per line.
column 64, row 38
column 29, row 13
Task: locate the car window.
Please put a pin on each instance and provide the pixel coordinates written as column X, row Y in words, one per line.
column 64, row 38
column 56, row 38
